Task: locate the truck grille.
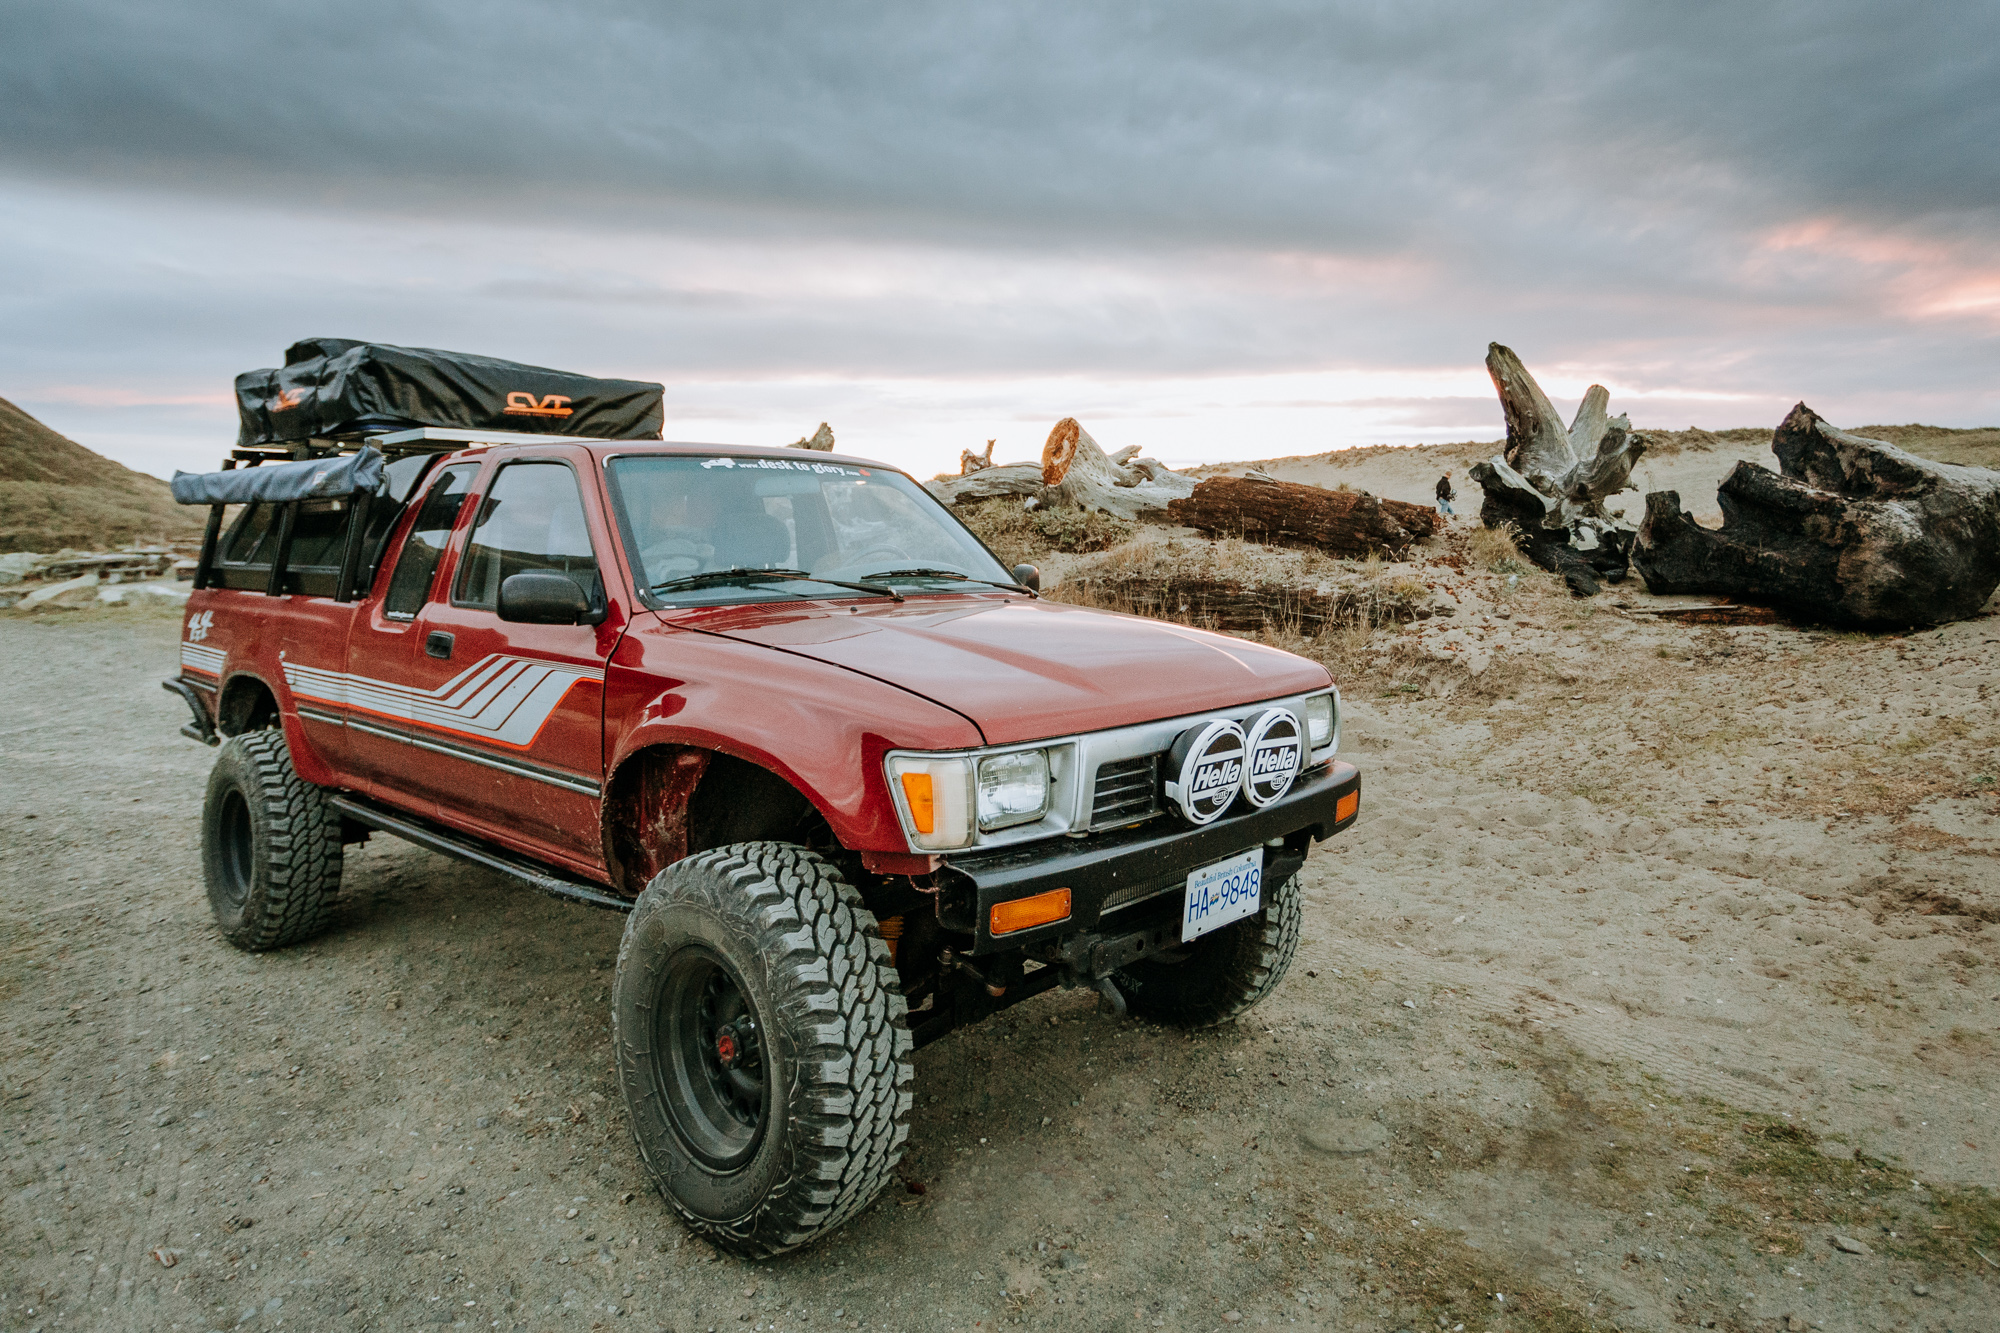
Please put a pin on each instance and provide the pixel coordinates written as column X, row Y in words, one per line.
column 1127, row 791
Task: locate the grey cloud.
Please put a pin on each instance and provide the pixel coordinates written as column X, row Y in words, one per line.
column 1353, row 124
column 1589, row 182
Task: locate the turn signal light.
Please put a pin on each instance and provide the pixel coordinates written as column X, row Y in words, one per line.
column 1022, row 913
column 1343, row 808
column 917, row 791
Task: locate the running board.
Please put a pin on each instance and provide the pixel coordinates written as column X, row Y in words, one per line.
column 425, row 834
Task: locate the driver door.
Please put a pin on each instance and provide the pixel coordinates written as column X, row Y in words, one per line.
column 516, row 711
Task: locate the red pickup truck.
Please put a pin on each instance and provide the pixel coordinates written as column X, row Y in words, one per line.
column 856, row 783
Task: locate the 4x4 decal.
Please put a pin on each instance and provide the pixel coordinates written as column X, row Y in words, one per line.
column 499, row 699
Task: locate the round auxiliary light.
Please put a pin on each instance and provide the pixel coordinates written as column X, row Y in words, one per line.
column 1205, row 770
column 1275, row 746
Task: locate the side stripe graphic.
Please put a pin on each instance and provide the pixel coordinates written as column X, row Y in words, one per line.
column 554, row 777
column 200, row 657
column 499, row 699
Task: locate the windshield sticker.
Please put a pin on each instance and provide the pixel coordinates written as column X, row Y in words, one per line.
column 787, row 465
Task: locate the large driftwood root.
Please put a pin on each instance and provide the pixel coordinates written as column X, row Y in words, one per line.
column 1074, row 473
column 1853, row 531
column 1551, row 483
column 1285, row 513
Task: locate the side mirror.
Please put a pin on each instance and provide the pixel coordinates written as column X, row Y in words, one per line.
column 1028, row 577
column 542, row 597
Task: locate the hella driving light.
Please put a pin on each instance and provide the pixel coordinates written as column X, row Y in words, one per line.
column 934, row 798
column 1318, row 713
column 1013, row 789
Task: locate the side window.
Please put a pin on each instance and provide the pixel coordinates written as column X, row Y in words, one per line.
column 532, row 518
column 410, row 585
column 399, row 483
column 253, row 525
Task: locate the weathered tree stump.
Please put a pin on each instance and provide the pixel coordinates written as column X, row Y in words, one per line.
column 1551, row 483
column 1286, row 513
column 1074, row 473
column 1853, row 531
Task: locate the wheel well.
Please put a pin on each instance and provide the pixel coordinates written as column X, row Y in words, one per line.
column 670, row 801
column 247, row 704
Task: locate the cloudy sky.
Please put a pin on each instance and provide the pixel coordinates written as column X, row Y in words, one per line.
column 1211, row 230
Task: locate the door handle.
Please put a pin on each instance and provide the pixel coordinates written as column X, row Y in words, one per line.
column 437, row 643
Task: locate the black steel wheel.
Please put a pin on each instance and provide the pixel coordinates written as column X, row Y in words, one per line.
column 763, row 1045
column 235, row 851
column 1217, row 977
column 713, row 1076
column 270, row 845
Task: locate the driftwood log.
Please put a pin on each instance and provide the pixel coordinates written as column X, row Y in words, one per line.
column 1074, row 473
column 1285, row 513
column 821, row 441
column 969, row 462
column 1853, row 531
column 1552, row 481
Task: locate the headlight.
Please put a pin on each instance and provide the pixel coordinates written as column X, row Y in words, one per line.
column 1318, row 713
column 1013, row 789
column 934, row 797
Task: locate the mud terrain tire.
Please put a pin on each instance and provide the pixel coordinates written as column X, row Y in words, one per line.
column 763, row 1045
column 1218, row 976
column 270, row 846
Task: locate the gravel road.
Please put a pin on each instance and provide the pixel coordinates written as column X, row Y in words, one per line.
column 1511, row 1083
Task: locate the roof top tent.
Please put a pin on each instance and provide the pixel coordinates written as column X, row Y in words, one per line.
column 333, row 392
column 337, row 396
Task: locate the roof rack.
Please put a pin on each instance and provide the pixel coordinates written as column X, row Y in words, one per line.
column 443, row 439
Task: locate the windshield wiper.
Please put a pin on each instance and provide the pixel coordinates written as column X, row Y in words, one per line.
column 950, row 574
column 745, row 574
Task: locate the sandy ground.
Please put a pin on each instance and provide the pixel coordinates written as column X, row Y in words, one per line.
column 1659, row 956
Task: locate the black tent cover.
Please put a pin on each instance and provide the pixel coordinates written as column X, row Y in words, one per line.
column 333, row 387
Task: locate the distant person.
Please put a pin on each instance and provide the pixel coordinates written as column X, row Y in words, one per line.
column 1445, row 493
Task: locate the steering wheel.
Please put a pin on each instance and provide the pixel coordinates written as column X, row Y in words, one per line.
column 662, row 568
column 893, row 552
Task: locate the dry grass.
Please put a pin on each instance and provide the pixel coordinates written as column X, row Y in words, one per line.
column 1018, row 535
column 54, row 493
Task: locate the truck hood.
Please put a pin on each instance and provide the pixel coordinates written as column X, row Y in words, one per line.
column 1022, row 670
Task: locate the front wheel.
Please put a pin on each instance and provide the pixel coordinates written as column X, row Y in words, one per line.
column 1217, row 977
column 763, row 1045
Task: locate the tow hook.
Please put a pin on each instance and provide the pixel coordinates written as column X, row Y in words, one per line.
column 1108, row 988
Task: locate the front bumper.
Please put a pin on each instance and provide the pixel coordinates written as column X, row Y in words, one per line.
column 1111, row 873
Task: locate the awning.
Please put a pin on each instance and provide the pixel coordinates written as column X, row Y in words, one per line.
column 279, row 483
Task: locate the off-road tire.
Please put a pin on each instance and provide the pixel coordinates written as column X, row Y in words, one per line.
column 1217, row 977
column 270, row 845
column 810, row 965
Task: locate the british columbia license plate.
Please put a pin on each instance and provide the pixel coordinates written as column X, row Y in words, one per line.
column 1224, row 892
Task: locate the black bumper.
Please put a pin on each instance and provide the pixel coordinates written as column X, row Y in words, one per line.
column 1136, row 866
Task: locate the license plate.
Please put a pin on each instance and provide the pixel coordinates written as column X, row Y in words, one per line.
column 1224, row 892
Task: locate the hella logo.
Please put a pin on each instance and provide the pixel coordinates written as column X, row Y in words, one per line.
column 1205, row 770
column 1275, row 742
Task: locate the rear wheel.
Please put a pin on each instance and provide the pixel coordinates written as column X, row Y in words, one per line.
column 270, row 845
column 1217, row 977
column 763, row 1045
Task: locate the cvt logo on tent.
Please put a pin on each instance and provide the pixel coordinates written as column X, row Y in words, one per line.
column 522, row 404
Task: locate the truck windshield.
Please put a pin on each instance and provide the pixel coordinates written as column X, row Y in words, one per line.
column 698, row 530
